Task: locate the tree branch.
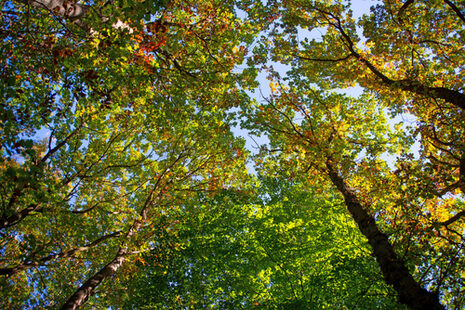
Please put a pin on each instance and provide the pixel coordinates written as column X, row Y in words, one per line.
column 455, row 9
column 325, row 60
column 449, row 95
column 404, row 7
column 453, row 219
column 15, row 218
column 69, row 253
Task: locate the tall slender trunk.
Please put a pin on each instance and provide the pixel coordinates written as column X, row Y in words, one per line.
column 81, row 295
column 393, row 268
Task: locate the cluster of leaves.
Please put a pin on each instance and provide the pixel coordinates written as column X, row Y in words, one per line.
column 277, row 247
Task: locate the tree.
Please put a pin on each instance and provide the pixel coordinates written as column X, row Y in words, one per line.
column 403, row 64
column 407, row 53
column 320, row 144
column 127, row 137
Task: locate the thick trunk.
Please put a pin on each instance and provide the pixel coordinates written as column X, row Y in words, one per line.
column 393, row 268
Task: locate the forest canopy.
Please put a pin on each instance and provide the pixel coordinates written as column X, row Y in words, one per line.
column 125, row 184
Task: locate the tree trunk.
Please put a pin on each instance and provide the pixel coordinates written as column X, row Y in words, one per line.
column 81, row 295
column 392, row 267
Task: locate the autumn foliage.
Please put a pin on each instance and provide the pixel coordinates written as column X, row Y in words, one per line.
column 124, row 182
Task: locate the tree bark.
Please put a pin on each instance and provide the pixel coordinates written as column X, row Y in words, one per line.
column 393, row 268
column 62, row 8
column 82, row 293
column 449, row 95
column 72, row 11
